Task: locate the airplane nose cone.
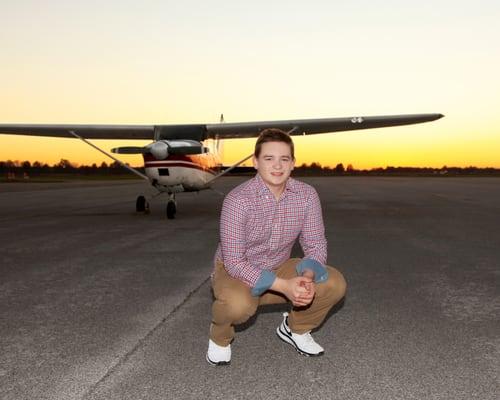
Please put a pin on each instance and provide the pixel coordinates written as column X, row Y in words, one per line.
column 159, row 150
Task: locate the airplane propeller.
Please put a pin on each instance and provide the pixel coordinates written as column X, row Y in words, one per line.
column 163, row 148
column 130, row 150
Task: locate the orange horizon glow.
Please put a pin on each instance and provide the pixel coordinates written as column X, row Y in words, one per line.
column 259, row 61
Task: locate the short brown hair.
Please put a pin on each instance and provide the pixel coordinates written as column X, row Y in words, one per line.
column 273, row 135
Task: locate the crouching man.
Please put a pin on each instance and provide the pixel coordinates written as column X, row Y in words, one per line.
column 260, row 222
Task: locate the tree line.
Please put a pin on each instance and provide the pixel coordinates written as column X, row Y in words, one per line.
column 64, row 166
column 316, row 169
column 16, row 169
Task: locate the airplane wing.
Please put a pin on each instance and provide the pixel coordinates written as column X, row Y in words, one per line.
column 314, row 126
column 86, row 131
column 221, row 130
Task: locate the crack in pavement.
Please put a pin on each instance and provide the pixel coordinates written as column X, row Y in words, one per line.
column 141, row 342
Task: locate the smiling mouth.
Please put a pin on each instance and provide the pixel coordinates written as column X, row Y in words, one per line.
column 276, row 173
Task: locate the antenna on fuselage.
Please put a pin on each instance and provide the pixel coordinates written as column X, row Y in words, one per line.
column 222, row 118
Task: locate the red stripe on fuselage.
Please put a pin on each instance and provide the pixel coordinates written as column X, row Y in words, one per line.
column 181, row 165
column 203, row 162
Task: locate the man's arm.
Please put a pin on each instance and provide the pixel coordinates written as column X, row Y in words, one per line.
column 233, row 237
column 313, row 241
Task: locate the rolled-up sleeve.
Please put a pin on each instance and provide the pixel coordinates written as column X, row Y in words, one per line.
column 233, row 223
column 312, row 237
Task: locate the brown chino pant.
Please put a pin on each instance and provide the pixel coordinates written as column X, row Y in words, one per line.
column 234, row 303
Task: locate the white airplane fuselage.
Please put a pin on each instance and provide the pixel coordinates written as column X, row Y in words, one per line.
column 183, row 173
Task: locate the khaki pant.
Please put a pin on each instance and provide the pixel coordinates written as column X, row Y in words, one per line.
column 234, row 303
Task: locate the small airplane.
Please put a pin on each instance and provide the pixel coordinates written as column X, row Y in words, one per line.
column 188, row 158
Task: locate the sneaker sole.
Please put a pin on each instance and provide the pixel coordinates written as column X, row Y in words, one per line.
column 217, row 364
column 287, row 339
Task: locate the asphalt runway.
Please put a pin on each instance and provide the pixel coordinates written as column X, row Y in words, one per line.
column 98, row 302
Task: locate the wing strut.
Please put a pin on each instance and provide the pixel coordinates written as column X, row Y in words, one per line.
column 133, row 170
column 227, row 170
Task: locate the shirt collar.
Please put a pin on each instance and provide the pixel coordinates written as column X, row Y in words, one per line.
column 263, row 189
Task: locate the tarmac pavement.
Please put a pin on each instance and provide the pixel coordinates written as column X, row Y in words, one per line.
column 98, row 302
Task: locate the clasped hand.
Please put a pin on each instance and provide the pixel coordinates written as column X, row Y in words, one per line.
column 299, row 290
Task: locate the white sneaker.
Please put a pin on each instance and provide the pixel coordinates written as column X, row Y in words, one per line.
column 218, row 355
column 304, row 343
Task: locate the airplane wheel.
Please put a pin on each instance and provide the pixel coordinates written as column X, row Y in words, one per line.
column 141, row 205
column 171, row 210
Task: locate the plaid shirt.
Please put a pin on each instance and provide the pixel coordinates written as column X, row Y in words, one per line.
column 257, row 232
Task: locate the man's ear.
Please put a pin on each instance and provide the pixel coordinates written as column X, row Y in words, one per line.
column 255, row 162
column 293, row 164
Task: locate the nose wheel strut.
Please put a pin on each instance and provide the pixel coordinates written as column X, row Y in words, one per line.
column 171, row 206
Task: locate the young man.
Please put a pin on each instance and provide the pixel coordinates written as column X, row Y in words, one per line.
column 260, row 222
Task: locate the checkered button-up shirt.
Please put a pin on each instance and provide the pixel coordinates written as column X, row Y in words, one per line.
column 257, row 232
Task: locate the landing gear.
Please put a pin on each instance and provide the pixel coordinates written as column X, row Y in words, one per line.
column 171, row 207
column 141, row 205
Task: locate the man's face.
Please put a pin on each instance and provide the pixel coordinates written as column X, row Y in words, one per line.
column 275, row 163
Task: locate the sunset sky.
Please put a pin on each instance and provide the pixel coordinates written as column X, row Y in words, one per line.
column 162, row 62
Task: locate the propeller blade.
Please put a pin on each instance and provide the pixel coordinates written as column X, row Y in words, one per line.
column 130, row 150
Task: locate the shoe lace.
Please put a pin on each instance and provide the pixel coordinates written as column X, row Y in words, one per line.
column 308, row 338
